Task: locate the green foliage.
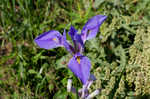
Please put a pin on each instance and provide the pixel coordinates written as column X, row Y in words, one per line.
column 120, row 53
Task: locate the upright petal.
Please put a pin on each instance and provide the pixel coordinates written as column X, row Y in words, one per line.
column 66, row 44
column 72, row 32
column 79, row 42
column 80, row 65
column 91, row 28
column 76, row 38
column 49, row 40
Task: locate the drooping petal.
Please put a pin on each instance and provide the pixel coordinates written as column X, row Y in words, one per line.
column 49, row 40
column 91, row 28
column 66, row 44
column 80, row 65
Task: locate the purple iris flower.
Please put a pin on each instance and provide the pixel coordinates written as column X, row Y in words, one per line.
column 79, row 64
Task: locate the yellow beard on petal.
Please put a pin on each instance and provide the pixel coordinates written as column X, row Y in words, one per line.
column 78, row 60
column 54, row 39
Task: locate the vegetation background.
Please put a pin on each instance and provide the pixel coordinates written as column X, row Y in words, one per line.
column 120, row 54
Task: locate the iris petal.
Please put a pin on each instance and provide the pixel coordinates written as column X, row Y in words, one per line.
column 66, row 44
column 91, row 28
column 80, row 65
column 76, row 38
column 72, row 32
column 79, row 42
column 49, row 40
